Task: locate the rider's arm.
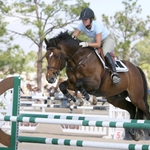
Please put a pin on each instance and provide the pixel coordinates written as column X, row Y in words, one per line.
column 76, row 33
column 97, row 42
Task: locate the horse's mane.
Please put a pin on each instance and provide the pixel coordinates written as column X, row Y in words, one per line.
column 63, row 37
column 66, row 39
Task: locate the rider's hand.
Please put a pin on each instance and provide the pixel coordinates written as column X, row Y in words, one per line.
column 83, row 44
column 74, row 37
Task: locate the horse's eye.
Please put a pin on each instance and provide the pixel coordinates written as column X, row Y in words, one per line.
column 56, row 56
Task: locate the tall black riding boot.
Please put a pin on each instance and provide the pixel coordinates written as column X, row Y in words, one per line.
column 114, row 76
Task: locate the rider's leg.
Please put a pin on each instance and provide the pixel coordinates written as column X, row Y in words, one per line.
column 110, row 62
column 108, row 46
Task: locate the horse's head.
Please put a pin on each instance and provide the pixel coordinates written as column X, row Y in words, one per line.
column 55, row 59
column 59, row 50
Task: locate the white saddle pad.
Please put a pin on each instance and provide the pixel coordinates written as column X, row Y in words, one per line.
column 120, row 66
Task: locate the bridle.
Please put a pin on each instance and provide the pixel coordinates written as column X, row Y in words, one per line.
column 53, row 67
column 55, row 73
column 68, row 60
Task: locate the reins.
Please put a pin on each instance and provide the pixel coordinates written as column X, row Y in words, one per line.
column 81, row 62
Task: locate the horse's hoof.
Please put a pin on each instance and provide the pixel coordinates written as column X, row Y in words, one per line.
column 79, row 102
column 71, row 103
column 93, row 100
column 135, row 136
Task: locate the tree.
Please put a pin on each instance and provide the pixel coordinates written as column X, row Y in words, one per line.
column 143, row 59
column 43, row 19
column 127, row 27
column 2, row 28
column 31, row 62
column 11, row 57
column 12, row 61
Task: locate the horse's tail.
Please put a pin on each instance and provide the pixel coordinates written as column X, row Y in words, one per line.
column 145, row 87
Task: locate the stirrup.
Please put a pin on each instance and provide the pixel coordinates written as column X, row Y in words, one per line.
column 115, row 78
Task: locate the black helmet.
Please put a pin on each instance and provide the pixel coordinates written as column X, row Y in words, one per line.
column 86, row 13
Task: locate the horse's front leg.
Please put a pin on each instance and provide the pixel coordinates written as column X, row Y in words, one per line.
column 90, row 98
column 63, row 88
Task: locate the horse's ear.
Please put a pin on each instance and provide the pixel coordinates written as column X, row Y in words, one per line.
column 46, row 41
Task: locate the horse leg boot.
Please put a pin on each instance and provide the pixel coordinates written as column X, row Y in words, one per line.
column 89, row 98
column 110, row 62
column 70, row 98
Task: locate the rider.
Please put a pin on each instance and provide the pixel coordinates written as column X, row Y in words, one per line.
column 101, row 37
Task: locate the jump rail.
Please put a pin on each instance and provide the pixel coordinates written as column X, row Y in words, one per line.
column 81, row 117
column 71, row 107
column 80, row 143
column 77, row 122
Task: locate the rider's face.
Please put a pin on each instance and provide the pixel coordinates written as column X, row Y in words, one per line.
column 86, row 22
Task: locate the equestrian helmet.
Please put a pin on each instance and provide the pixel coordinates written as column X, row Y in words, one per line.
column 86, row 13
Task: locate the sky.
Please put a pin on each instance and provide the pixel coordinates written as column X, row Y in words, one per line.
column 107, row 7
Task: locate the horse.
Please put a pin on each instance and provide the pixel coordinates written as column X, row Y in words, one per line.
column 87, row 74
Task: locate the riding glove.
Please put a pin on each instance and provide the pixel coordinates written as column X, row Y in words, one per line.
column 83, row 44
column 74, row 37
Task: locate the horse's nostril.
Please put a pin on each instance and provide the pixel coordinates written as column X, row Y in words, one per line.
column 51, row 80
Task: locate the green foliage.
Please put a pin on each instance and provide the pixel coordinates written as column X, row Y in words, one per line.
column 83, row 37
column 30, row 62
column 10, row 56
column 2, row 27
column 43, row 18
column 127, row 27
column 143, row 59
column 143, row 47
column 12, row 61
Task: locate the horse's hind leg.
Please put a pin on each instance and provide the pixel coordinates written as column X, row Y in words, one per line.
column 120, row 102
column 144, row 111
column 141, row 95
column 144, row 133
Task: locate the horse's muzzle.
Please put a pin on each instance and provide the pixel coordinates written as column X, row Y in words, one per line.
column 51, row 79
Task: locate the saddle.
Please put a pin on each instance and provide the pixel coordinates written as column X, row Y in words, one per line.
column 120, row 66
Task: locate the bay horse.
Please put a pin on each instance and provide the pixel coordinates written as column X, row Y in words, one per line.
column 86, row 74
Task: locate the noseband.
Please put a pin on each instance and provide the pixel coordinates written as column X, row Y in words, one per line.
column 57, row 72
column 53, row 67
column 59, row 64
